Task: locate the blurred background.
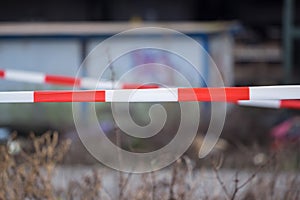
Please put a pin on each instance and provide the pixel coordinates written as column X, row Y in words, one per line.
column 252, row 42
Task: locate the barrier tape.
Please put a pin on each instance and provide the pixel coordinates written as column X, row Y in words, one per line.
column 227, row 94
column 290, row 104
column 87, row 83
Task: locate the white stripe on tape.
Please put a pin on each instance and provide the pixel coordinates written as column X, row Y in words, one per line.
column 139, row 95
column 91, row 83
column 262, row 103
column 88, row 83
column 16, row 97
column 274, row 92
column 105, row 85
column 24, row 76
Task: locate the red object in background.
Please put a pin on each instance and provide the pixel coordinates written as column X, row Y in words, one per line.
column 286, row 132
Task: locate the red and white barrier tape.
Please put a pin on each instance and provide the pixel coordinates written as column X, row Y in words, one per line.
column 87, row 83
column 290, row 104
column 90, row 83
column 233, row 94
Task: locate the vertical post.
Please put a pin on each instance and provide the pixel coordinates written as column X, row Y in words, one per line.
column 288, row 20
column 84, row 106
column 83, row 55
column 206, row 62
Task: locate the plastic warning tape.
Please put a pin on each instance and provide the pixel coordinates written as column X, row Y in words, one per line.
column 90, row 83
column 290, row 104
column 227, row 94
column 87, row 83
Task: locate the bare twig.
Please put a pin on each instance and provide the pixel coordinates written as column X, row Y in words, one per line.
column 236, row 187
column 153, row 181
column 173, row 181
column 252, row 176
column 220, row 181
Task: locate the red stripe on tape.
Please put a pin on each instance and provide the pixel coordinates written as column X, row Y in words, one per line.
column 290, row 104
column 137, row 86
column 2, row 74
column 68, row 96
column 213, row 94
column 62, row 80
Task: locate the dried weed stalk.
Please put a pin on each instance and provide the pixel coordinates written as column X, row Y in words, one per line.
column 29, row 174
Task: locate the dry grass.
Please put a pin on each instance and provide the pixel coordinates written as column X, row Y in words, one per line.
column 29, row 174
